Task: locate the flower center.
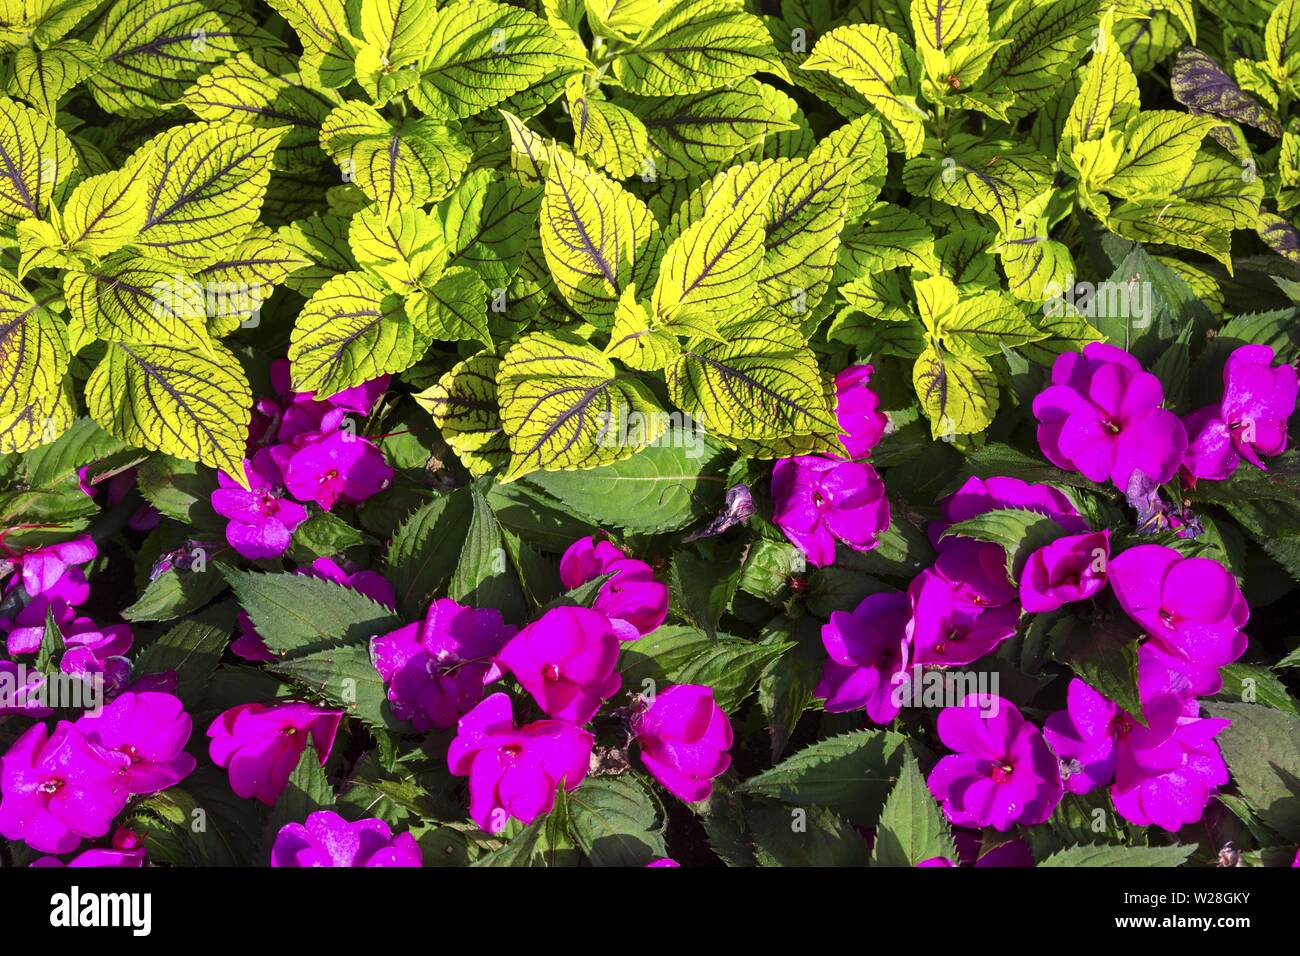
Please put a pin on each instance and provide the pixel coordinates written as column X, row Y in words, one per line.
column 551, row 672
column 50, row 787
column 1111, row 425
column 1001, row 772
column 1167, row 618
column 331, row 475
column 510, row 751
column 1119, row 726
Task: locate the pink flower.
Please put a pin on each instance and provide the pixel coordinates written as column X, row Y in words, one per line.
column 1165, row 772
column 963, row 607
column 338, row 466
column 261, row 744
column 858, row 409
column 661, row 862
column 1251, row 419
column 261, row 522
column 151, row 730
column 1101, row 416
column 45, row 567
column 1068, row 569
column 979, row 496
column 127, row 852
column 435, row 668
column 1002, row 772
column 632, row 594
column 514, row 771
column 20, row 691
column 56, row 790
column 817, row 501
column 567, row 660
column 326, row 839
column 684, row 738
column 868, row 651
column 1191, row 608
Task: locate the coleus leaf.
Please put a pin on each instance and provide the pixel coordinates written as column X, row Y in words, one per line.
column 1200, row 84
column 410, row 164
column 349, row 332
column 805, row 215
column 42, row 77
column 453, row 309
column 759, row 382
column 597, row 238
column 993, row 178
column 1159, row 147
column 106, row 212
column 1047, row 43
column 636, row 341
column 33, row 350
column 708, row 271
column 139, row 301
column 958, row 392
column 191, row 403
column 563, row 405
column 330, row 33
column 463, row 404
column 405, row 253
column 35, row 156
column 488, row 223
column 695, row 46
column 397, row 34
column 889, row 237
column 1037, row 266
column 612, row 137
column 40, row 419
column 1108, row 94
column 237, row 285
column 859, row 145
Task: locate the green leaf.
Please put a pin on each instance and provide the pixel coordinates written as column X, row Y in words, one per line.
column 565, row 405
column 695, row 46
column 192, row 649
column 330, row 32
column 1262, row 748
column 911, row 828
column 483, row 575
column 636, row 341
column 1121, row 856
column 423, row 552
column 192, row 404
column 850, row 774
column 615, row 821
column 609, row 135
column 345, row 677
column 799, row 836
column 889, row 237
column 1104, row 655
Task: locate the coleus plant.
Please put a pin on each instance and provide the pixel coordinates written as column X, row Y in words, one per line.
column 496, row 375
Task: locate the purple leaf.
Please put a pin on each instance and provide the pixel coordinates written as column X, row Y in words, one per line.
column 737, row 507
column 1203, row 87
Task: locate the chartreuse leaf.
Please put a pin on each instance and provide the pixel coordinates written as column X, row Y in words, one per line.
column 463, row 404
column 132, row 299
column 106, row 212
column 876, row 63
column 981, row 324
column 911, row 828
column 39, row 24
column 323, row 240
column 613, row 138
column 410, row 164
column 1159, row 148
column 42, row 77
column 453, row 309
column 597, row 238
column 564, row 405
column 993, row 178
column 958, row 392
column 489, row 222
column 40, row 420
column 942, row 29
column 481, row 52
column 35, row 156
column 694, row 46
column 889, row 237
column 330, row 32
column 190, row 403
column 760, row 381
column 349, row 332
column 1107, row 97
column 1048, row 41
column 33, row 350
column 708, row 271
column 397, row 35
column 407, row 252
column 1220, row 187
column 636, row 341
column 206, row 182
column 804, row 218
column 237, row 285
column 151, row 50
column 1282, row 45
column 859, row 145
column 1037, row 266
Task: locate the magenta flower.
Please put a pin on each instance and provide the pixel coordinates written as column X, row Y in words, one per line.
column 514, row 771
column 868, row 651
column 261, row 521
column 56, row 790
column 1068, row 569
column 858, row 409
column 1191, row 608
column 127, row 852
column 684, row 738
column 662, row 862
column 435, row 668
column 978, row 496
column 151, row 730
column 261, row 744
column 818, row 501
column 632, row 594
column 1002, row 772
column 963, row 607
column 47, row 567
column 1251, row 419
column 338, row 466
column 20, row 691
column 361, row 398
column 326, row 839
column 1164, row 773
column 567, row 660
column 1101, row 416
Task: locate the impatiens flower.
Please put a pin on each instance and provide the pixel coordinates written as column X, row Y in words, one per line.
column 662, row 861
column 858, row 409
column 46, row 567
column 261, row 744
column 632, row 594
column 1002, row 772
column 955, row 621
column 339, row 466
column 326, row 839
column 361, row 398
column 151, row 729
column 1164, row 773
column 58, row 789
column 21, row 691
column 979, row 496
column 1068, row 569
column 868, row 651
column 1101, row 416
column 1249, row 421
column 684, row 738
column 1191, row 608
column 818, row 501
column 971, row 851
column 514, row 771
column 435, row 668
column 127, row 852
column 261, row 522
column 567, row 660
